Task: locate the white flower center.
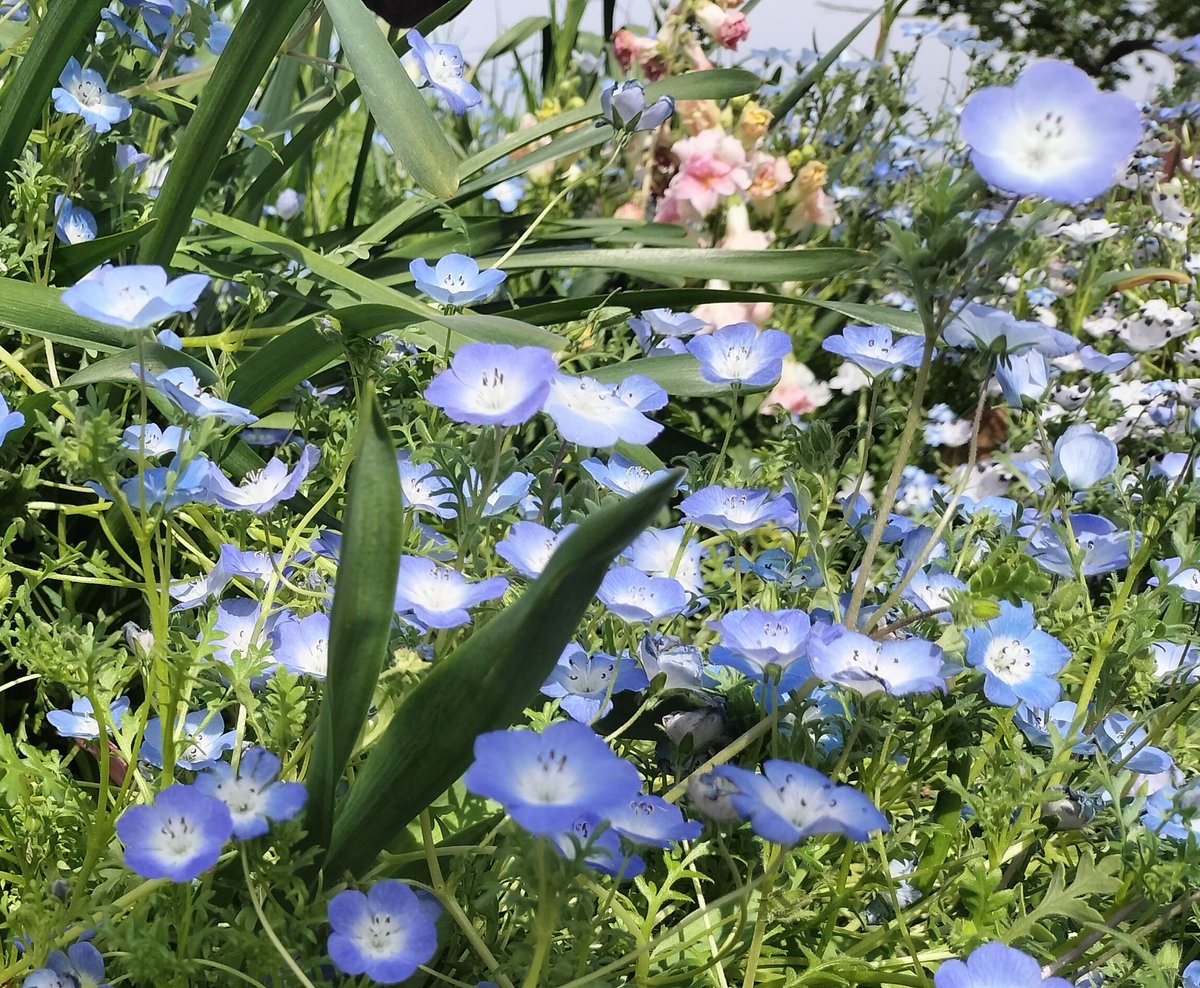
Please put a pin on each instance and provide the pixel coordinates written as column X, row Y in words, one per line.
column 551, row 780
column 176, row 839
column 89, row 93
column 1008, row 658
column 380, row 936
column 244, row 799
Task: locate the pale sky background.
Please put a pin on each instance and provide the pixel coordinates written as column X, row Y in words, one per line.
column 791, row 24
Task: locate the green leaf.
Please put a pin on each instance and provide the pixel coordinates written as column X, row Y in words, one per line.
column 75, row 260
column 155, row 357
column 1122, row 281
column 804, row 83
column 875, row 315
column 38, row 310
column 578, row 307
column 514, row 36
column 677, row 374
column 484, row 685
column 263, row 26
column 681, row 262
column 363, row 611
column 59, row 34
column 399, row 108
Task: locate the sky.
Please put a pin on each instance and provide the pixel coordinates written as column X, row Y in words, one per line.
column 792, row 24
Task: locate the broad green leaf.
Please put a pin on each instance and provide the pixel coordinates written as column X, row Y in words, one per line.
column 39, row 311
column 399, row 108
column 1122, row 281
column 763, row 266
column 63, row 27
column 875, row 315
column 577, row 307
column 804, row 83
column 76, row 260
column 521, row 31
column 363, row 610
column 155, row 357
column 262, row 27
column 484, row 685
column 677, row 374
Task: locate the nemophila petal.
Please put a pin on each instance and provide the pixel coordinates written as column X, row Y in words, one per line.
column 636, row 596
column 1095, row 362
column 439, row 596
column 252, row 793
column 600, row 846
column 456, row 280
column 980, row 327
column 995, row 965
column 591, row 413
column 1052, row 134
column 933, row 589
column 9, row 420
column 638, row 391
column 168, row 486
column 620, row 475
column 874, row 349
column 1018, row 659
column 507, row 194
column 1100, row 546
column 585, row 683
column 80, row 720
column 661, row 552
column 73, row 224
column 901, row 667
column 1023, row 377
column 155, row 441
column 667, row 322
column 179, row 836
column 200, row 740
column 790, row 802
column 1171, row 813
column 261, row 490
column 385, row 934
column 1083, row 457
column 237, row 617
column 742, row 354
column 1038, row 724
column 679, row 663
column 739, row 509
column 135, row 296
column 1186, row 579
column 182, row 387
column 762, row 638
column 652, row 820
column 301, row 644
column 1124, row 742
column 82, row 92
column 1174, row 661
column 493, row 383
column 505, row 495
column 443, row 67
column 424, row 489
column 528, row 546
column 547, row 779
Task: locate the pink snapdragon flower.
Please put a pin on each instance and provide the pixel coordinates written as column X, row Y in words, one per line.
column 647, row 52
column 727, row 27
column 797, row 392
column 712, row 166
column 770, row 175
column 717, row 314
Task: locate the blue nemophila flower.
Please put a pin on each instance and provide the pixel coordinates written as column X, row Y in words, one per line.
column 80, row 720
column 756, row 640
column 507, row 194
column 995, row 965
column 901, row 667
column 621, row 476
column 624, row 106
column 546, row 780
column 9, row 420
column 661, row 552
column 204, row 739
column 679, row 663
column 1051, row 134
column 875, row 349
column 1102, row 547
column 184, row 389
column 933, row 589
column 980, row 327
column 636, row 596
column 253, row 793
column 301, row 644
column 1023, row 377
column 1191, row 974
column 528, row 546
column 593, row 413
column 82, row 92
column 231, row 562
column 1018, row 659
column 1174, row 812
column 262, row 489
column 1175, row 661
column 438, row 595
column 156, row 441
column 1186, row 579
column 133, row 296
column 741, row 354
column 73, row 224
column 860, row 516
column 385, row 934
column 585, row 684
column 1124, row 742
column 1037, row 725
column 444, row 69
column 666, row 323
column 790, row 802
column 129, row 157
column 423, row 489
column 600, row 847
column 456, row 280
column 493, row 383
column 82, row 966
column 179, row 836
column 652, row 820
column 507, row 494
column 168, row 486
column 640, row 392
column 237, row 617
column 1083, row 457
column 1095, row 362
column 739, row 509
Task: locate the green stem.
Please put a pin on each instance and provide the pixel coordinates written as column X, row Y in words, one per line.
column 760, row 921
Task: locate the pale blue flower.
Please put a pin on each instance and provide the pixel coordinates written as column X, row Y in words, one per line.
column 1023, row 377
column 600, row 847
column 301, row 644
column 741, row 354
column 82, row 966
column 263, row 489
column 456, row 280
column 1083, row 457
column 444, row 68
column 252, row 793
column 154, row 440
column 80, row 720
column 73, row 224
column 900, row 666
column 1051, row 134
column 623, row 105
column 424, row 489
column 651, row 820
column 1037, row 725
column 82, row 92
column 507, row 194
column 204, row 738
column 661, row 552
column 386, row 933
column 493, row 384
column 995, row 965
column 439, row 596
column 1019, row 660
column 179, row 836
column 592, row 413
column 182, row 386
column 635, row 596
column 584, row 684
column 10, row 421
column 528, row 546
column 980, row 327
column 1124, row 742
column 622, row 476
column 874, row 349
column 135, row 296
column 738, row 509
